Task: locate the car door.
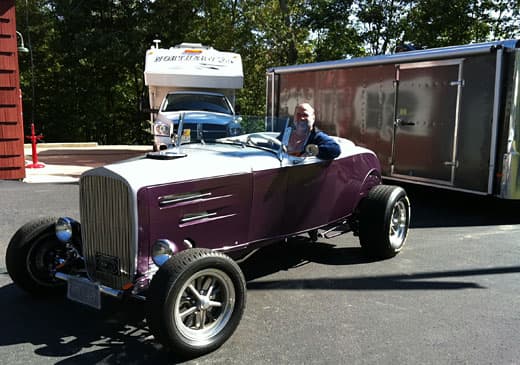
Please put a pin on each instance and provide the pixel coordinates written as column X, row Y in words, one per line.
column 313, row 186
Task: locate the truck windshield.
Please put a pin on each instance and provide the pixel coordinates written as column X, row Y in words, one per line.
column 201, row 102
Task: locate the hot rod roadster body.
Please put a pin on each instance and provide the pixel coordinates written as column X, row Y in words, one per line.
column 169, row 227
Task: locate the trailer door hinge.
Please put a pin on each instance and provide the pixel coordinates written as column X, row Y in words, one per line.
column 457, row 83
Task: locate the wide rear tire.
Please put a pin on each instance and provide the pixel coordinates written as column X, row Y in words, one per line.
column 384, row 220
column 196, row 301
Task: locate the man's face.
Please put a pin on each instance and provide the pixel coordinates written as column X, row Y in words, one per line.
column 304, row 117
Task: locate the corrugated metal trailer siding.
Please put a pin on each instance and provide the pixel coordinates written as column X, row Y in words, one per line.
column 12, row 159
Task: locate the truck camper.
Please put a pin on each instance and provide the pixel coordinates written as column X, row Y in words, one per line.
column 446, row 117
column 197, row 81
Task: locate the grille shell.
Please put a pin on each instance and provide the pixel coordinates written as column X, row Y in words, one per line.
column 108, row 222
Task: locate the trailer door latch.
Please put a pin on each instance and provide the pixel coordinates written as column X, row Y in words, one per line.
column 457, row 83
column 451, row 163
column 400, row 122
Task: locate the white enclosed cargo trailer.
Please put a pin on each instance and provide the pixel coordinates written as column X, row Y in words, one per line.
column 446, row 117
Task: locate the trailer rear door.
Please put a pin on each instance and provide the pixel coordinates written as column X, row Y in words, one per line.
column 426, row 119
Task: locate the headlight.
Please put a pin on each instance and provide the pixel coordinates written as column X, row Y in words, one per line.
column 162, row 129
column 162, row 250
column 235, row 130
column 63, row 229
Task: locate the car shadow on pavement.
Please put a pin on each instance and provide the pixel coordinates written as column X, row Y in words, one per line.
column 283, row 257
column 74, row 334
column 421, row 281
column 299, row 251
column 434, row 207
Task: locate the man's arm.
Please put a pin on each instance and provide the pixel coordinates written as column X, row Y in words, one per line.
column 328, row 148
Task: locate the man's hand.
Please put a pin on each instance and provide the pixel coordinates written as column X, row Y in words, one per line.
column 312, row 150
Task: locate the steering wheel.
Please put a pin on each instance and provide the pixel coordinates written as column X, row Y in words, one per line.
column 263, row 138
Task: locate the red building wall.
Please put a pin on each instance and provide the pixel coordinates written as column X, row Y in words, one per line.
column 12, row 159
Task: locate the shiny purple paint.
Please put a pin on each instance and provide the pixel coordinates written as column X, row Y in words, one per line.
column 242, row 211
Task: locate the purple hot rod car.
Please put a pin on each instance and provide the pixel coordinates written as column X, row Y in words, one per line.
column 170, row 226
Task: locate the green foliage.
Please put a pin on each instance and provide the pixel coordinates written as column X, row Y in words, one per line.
column 437, row 23
column 86, row 83
column 333, row 30
column 506, row 20
column 381, row 23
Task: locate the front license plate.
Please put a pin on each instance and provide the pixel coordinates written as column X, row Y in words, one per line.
column 84, row 292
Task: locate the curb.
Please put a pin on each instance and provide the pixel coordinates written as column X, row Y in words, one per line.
column 62, row 144
column 65, row 162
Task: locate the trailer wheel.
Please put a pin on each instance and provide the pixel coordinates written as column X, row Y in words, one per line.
column 384, row 219
column 32, row 256
column 196, row 301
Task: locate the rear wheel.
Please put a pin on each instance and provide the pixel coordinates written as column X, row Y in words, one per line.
column 196, row 301
column 32, row 256
column 384, row 220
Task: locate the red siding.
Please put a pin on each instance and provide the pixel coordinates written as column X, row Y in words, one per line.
column 12, row 159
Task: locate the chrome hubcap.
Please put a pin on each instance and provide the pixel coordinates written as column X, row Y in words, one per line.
column 398, row 224
column 204, row 306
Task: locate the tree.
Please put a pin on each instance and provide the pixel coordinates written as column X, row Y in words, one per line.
column 89, row 70
column 504, row 18
column 437, row 23
column 332, row 26
column 380, row 23
column 88, row 56
column 38, row 35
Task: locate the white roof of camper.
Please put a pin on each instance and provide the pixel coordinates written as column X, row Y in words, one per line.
column 193, row 65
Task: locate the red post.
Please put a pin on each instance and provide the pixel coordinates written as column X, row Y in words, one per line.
column 33, row 137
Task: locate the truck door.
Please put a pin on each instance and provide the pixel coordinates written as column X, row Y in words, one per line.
column 426, row 120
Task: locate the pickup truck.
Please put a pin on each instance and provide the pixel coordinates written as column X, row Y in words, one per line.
column 207, row 116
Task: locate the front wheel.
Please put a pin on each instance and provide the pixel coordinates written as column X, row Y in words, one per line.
column 32, row 256
column 196, row 301
column 384, row 219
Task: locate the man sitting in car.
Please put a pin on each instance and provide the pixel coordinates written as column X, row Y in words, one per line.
column 306, row 139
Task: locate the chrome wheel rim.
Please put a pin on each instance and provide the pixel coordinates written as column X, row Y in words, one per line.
column 204, row 306
column 398, row 224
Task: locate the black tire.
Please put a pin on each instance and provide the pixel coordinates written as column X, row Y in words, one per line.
column 384, row 220
column 169, row 296
column 30, row 258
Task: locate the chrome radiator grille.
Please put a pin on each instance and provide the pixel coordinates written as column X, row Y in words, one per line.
column 107, row 230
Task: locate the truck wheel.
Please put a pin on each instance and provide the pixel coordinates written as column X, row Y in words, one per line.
column 32, row 255
column 384, row 219
column 196, row 301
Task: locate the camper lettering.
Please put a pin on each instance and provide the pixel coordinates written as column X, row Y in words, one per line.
column 195, row 58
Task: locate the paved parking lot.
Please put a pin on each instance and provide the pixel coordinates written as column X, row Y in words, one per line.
column 451, row 297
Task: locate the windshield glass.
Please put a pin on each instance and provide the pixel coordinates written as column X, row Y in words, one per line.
column 202, row 102
column 258, row 132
